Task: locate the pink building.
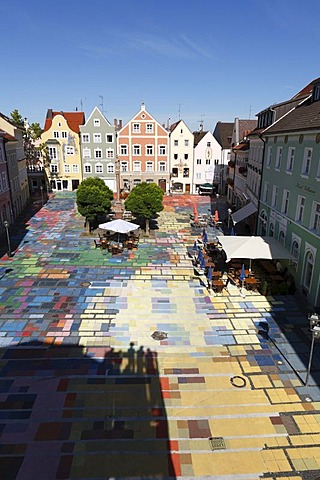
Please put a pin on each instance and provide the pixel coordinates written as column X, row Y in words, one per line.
column 143, row 152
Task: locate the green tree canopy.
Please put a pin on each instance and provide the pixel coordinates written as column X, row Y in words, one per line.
column 145, row 200
column 93, row 199
column 30, row 133
column 17, row 118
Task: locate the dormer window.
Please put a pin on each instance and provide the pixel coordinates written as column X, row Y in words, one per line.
column 316, row 93
column 96, row 122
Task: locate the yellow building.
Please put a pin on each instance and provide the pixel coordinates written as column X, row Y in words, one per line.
column 61, row 136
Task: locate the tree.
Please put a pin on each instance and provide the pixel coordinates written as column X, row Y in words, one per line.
column 93, row 199
column 31, row 133
column 17, row 118
column 145, row 200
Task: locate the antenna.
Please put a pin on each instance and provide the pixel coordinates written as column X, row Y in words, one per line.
column 180, row 105
column 201, row 122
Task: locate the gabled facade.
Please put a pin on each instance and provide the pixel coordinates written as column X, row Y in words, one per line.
column 206, row 160
column 223, row 134
column 16, row 163
column 289, row 206
column 99, row 148
column 181, row 158
column 61, row 136
column 143, row 152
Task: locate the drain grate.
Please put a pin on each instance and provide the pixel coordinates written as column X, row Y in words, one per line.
column 217, row 443
column 159, row 335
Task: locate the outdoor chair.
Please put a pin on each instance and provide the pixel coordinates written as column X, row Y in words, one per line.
column 97, row 243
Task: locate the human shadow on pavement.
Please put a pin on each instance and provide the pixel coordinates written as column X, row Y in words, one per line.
column 70, row 414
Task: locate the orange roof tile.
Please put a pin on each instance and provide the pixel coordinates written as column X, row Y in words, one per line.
column 74, row 119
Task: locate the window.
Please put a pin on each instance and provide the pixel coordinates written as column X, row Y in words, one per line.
column 271, row 229
column 97, row 138
column 300, row 208
column 69, row 150
column 316, row 93
column 110, row 168
column 4, row 181
column 208, row 144
column 136, row 181
column 124, row 166
column 198, row 176
column 162, row 166
column 52, row 151
column 281, row 237
column 67, row 168
column 56, row 134
column 290, row 160
column 176, row 143
column 137, row 166
column 315, row 217
column 99, row 168
column 149, row 180
column 98, row 153
column 109, row 138
column 186, row 143
column 136, row 149
column 96, row 122
column 174, row 172
column 86, row 153
column 295, row 252
column 123, row 149
column 208, row 161
column 266, row 191
column 162, row 150
column 306, row 161
column 309, row 262
column 136, row 128
column 186, row 156
column 87, row 168
column 149, row 150
column 285, row 201
column 149, row 128
column 269, row 156
column 149, row 166
column 53, row 168
column 75, row 168
column 175, row 156
column 110, row 153
column 186, row 172
column 198, row 161
column 274, row 196
column 65, row 184
column 64, row 134
column 278, row 158
column 85, row 138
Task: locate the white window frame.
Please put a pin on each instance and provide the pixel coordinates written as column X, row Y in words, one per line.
column 176, row 143
column 69, row 150
column 275, row 190
column 136, row 150
column 186, row 143
column 136, row 166
column 97, row 153
column 136, row 127
column 162, row 150
column 124, row 149
column 97, row 138
column 67, row 168
column 149, row 150
column 96, row 122
column 149, row 167
column 85, row 137
column 53, row 153
column 290, row 159
column 306, row 164
column 110, row 153
column 162, row 166
column 75, row 168
column 269, row 156
column 56, row 134
column 278, row 159
column 266, row 192
column 110, row 168
column 198, row 161
column 98, row 168
column 124, row 166
column 87, row 168
column 86, row 152
column 54, row 168
column 301, row 203
column 109, row 135
column 315, row 218
column 285, row 202
column 149, row 127
column 64, row 134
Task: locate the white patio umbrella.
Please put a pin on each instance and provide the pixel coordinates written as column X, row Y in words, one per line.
column 119, row 226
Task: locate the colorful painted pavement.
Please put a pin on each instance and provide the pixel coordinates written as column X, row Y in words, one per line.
column 90, row 389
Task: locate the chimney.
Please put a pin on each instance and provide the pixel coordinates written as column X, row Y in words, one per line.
column 49, row 114
column 115, row 121
column 143, row 107
column 120, row 125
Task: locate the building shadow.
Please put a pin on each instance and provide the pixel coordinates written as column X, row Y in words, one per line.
column 70, row 414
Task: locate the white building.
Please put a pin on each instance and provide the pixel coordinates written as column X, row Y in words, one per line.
column 207, row 153
column 181, row 157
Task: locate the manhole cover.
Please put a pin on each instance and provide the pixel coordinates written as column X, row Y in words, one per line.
column 217, row 443
column 85, row 284
column 159, row 335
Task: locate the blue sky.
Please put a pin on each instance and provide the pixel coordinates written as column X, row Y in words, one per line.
column 211, row 59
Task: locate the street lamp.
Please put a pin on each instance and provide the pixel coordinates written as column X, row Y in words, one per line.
column 41, row 190
column 314, row 320
column 6, row 226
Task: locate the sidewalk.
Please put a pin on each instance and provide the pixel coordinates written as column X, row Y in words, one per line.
column 215, row 398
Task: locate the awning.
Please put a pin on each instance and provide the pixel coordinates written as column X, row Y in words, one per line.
column 243, row 213
column 253, row 248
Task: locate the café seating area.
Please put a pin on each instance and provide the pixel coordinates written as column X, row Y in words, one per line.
column 115, row 243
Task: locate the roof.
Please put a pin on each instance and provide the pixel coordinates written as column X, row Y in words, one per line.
column 198, row 136
column 174, row 125
column 74, row 119
column 306, row 116
column 245, row 127
column 9, row 120
column 242, row 146
column 223, row 134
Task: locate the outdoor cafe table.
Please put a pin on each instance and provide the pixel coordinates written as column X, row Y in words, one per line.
column 252, row 283
column 217, row 285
